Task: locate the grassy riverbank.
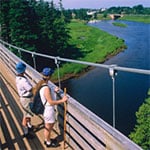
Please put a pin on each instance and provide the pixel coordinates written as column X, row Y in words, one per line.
column 92, row 45
column 137, row 18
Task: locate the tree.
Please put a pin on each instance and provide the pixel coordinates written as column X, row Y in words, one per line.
column 141, row 133
column 138, row 9
column 4, row 20
column 22, row 25
column 53, row 26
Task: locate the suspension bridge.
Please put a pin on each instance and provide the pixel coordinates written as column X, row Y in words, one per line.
column 84, row 129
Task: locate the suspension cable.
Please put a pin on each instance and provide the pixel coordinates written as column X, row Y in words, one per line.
column 117, row 68
column 58, row 71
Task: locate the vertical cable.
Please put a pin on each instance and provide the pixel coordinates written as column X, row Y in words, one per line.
column 58, row 72
column 114, row 112
column 113, row 73
column 19, row 52
column 34, row 61
column 59, row 84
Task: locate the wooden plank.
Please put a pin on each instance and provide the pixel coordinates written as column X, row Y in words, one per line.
column 3, row 141
column 8, row 143
column 84, row 132
column 11, row 125
column 85, row 117
column 88, row 135
column 105, row 133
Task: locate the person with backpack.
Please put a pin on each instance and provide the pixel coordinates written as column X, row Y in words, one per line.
column 48, row 102
column 24, row 88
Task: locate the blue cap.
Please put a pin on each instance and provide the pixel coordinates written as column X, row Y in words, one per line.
column 47, row 71
column 20, row 67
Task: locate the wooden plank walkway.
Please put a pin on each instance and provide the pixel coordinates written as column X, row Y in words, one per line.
column 11, row 134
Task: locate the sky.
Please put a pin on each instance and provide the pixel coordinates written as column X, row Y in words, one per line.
column 71, row 4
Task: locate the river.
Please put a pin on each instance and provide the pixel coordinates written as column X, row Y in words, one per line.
column 94, row 89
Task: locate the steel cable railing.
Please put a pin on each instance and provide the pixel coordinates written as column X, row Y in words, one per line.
column 115, row 67
column 112, row 68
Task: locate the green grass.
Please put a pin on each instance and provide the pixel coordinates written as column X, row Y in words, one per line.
column 137, row 18
column 119, row 24
column 95, row 46
column 131, row 17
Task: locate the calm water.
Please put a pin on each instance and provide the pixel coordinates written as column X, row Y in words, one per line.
column 94, row 89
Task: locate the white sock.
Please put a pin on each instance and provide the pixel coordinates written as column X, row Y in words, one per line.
column 29, row 125
column 48, row 142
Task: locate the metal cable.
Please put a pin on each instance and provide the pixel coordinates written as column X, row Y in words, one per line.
column 126, row 69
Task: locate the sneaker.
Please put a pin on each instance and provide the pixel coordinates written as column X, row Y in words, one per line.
column 53, row 144
column 52, row 140
column 28, row 136
column 30, row 129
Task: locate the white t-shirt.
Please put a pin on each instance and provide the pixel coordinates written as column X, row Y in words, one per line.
column 23, row 86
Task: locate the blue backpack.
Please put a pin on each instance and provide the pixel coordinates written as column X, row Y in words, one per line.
column 36, row 106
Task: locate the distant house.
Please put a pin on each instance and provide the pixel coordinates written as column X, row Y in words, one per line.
column 91, row 12
column 103, row 9
column 73, row 15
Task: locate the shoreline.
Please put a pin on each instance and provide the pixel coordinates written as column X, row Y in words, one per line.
column 100, row 39
column 86, row 70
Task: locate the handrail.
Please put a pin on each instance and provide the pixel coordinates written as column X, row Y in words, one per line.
column 85, row 130
column 115, row 67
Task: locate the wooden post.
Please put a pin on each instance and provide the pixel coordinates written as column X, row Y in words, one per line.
column 65, row 118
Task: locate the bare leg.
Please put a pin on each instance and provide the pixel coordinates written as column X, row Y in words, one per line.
column 24, row 122
column 47, row 131
column 28, row 122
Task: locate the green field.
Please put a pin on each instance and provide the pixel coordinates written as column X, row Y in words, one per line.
column 93, row 44
column 131, row 17
column 137, row 18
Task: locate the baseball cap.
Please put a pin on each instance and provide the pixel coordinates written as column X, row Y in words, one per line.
column 20, row 67
column 47, row 71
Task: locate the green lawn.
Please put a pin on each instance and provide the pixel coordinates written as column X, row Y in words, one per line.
column 93, row 44
column 138, row 18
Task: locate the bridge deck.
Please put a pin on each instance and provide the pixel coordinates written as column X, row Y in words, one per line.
column 11, row 116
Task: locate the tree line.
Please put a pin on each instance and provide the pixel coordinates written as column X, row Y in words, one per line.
column 139, row 9
column 82, row 13
column 34, row 25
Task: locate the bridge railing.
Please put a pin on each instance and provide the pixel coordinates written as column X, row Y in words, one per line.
column 85, row 130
